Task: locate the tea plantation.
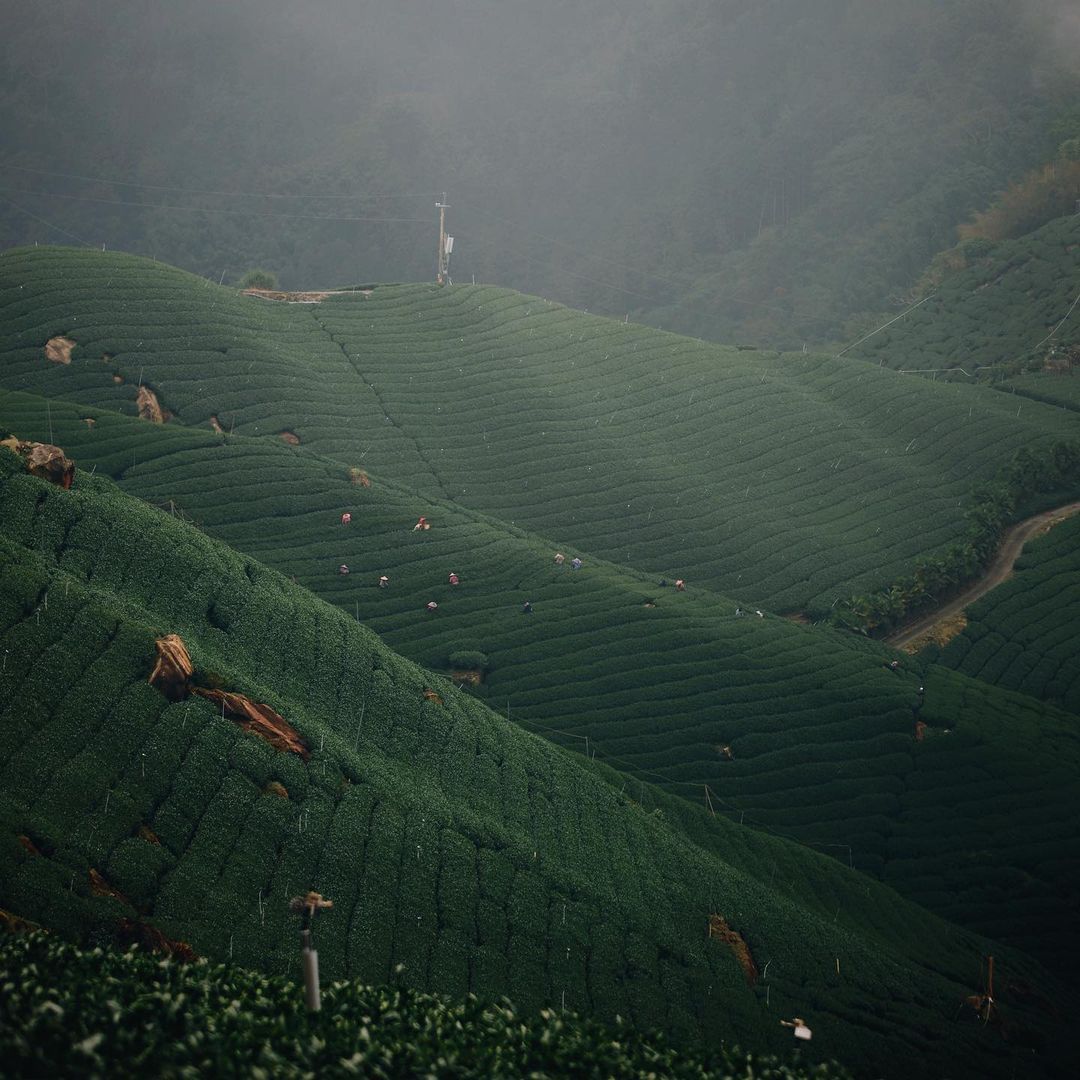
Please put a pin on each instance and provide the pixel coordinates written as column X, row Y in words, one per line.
column 795, row 730
column 786, row 481
column 1009, row 299
column 1060, row 390
column 68, row 1011
column 1023, row 635
column 462, row 854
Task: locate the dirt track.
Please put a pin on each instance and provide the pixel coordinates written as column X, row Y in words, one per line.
column 998, row 571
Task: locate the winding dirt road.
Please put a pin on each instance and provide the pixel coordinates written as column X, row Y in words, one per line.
column 998, row 571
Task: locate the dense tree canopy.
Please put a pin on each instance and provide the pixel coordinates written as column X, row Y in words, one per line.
column 744, row 171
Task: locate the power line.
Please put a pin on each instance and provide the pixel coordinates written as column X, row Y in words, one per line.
column 219, row 210
column 48, row 224
column 866, row 337
column 1059, row 325
column 203, row 191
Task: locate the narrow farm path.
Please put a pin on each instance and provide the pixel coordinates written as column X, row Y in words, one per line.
column 998, row 571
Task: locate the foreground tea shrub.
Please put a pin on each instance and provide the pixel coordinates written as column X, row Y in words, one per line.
column 94, row 1012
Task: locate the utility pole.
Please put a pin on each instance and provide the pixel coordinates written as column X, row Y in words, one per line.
column 442, row 258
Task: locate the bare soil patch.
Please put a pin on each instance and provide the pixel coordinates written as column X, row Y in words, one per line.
column 289, row 297
column 58, row 350
column 149, row 406
column 719, row 929
column 941, row 633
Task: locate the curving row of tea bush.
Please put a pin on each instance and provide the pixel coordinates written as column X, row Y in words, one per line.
column 988, row 854
column 996, row 311
column 788, row 480
column 819, row 734
column 1053, row 389
column 473, row 856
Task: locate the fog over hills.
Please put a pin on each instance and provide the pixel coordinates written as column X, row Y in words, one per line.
column 573, row 506
column 743, row 171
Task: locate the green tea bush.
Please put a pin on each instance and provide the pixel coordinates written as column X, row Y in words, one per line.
column 1022, row 635
column 96, row 1012
column 425, row 386
column 542, row 814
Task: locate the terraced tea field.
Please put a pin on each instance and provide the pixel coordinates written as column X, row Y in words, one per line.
column 1060, row 390
column 1023, row 635
column 795, row 730
column 785, row 481
column 997, row 310
column 474, row 855
column 516, row 428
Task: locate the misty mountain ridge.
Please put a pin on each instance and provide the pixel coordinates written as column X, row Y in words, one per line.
column 536, row 619
column 744, row 172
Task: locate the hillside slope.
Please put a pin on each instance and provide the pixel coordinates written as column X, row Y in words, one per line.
column 1023, row 635
column 792, row 729
column 785, row 481
column 1001, row 308
column 475, row 856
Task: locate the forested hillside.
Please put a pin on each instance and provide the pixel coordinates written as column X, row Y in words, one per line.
column 745, row 171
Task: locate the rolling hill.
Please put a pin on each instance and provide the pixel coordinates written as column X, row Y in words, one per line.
column 476, row 856
column 796, row 730
column 392, row 402
column 1023, row 634
column 788, row 482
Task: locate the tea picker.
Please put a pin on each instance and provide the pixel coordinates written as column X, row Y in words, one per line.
column 306, row 907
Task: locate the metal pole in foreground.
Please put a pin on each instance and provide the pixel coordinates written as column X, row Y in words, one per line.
column 306, row 907
column 309, row 962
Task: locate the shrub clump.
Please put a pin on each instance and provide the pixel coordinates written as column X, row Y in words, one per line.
column 469, row 660
column 259, row 279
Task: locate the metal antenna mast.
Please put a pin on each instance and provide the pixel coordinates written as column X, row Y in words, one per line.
column 446, row 244
column 441, row 256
